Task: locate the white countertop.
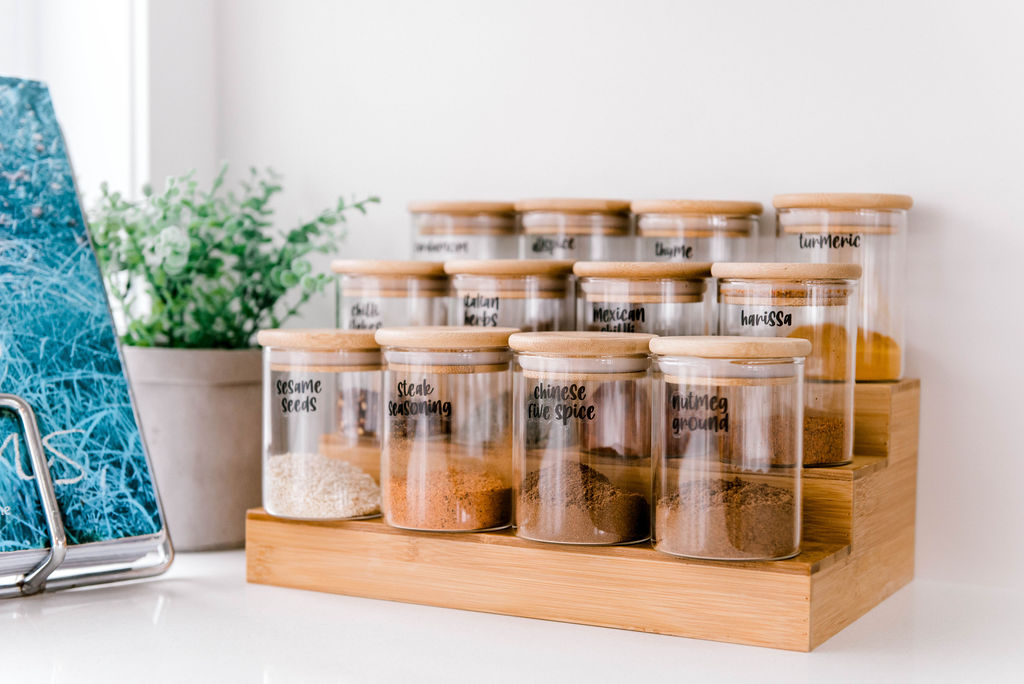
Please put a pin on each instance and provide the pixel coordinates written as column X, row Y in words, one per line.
column 202, row 622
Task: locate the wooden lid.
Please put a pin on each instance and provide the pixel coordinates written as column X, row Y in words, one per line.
column 444, row 337
column 643, row 270
column 731, row 347
column 581, row 343
column 375, row 267
column 458, row 207
column 697, row 207
column 509, row 267
column 774, row 271
column 842, row 200
column 325, row 339
column 575, row 205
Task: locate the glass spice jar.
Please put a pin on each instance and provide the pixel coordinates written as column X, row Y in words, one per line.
column 321, row 415
column 696, row 230
column 817, row 302
column 447, row 448
column 727, row 446
column 645, row 297
column 524, row 294
column 464, row 230
column 372, row 294
column 590, row 229
column 581, row 409
column 865, row 229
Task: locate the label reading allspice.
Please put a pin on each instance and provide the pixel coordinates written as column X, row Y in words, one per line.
column 548, row 245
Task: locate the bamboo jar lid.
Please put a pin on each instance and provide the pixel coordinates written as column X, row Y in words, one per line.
column 643, row 270
column 323, row 339
column 574, row 205
column 509, row 267
column 462, row 208
column 842, row 200
column 444, row 337
column 698, row 207
column 731, row 347
column 575, row 344
column 783, row 271
column 388, row 268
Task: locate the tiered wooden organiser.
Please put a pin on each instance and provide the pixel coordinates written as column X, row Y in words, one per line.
column 858, row 549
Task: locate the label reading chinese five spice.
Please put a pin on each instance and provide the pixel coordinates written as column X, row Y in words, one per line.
column 559, row 403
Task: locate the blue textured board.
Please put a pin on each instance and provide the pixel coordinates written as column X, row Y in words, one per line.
column 58, row 347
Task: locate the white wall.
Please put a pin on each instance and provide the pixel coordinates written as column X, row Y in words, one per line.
column 698, row 99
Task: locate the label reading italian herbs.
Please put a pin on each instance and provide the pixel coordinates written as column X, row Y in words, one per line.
column 611, row 317
column 415, row 399
column 298, row 395
column 480, row 310
column 364, row 315
column 559, row 403
column 699, row 413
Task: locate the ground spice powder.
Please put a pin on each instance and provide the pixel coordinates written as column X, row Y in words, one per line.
column 824, row 438
column 729, row 519
column 879, row 357
column 454, row 498
column 574, row 503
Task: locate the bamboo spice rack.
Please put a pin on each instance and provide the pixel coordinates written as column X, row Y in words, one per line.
column 858, row 549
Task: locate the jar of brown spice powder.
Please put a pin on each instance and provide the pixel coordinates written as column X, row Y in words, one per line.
column 727, row 424
column 582, row 437
column 446, row 461
column 817, row 302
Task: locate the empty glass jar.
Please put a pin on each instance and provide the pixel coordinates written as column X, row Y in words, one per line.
column 817, row 302
column 865, row 229
column 321, row 416
column 524, row 294
column 464, row 230
column 447, row 448
column 697, row 230
column 373, row 294
column 727, row 432
column 590, row 229
column 658, row 298
column 582, row 436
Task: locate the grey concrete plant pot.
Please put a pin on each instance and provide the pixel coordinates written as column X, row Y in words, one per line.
column 201, row 416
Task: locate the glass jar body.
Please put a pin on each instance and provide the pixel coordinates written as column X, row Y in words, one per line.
column 823, row 311
column 529, row 303
column 576, row 236
column 321, row 448
column 727, row 457
column 440, row 237
column 875, row 239
column 446, row 459
column 660, row 307
column 368, row 302
column 582, row 448
column 675, row 237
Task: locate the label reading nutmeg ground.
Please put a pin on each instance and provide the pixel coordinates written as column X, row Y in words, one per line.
column 559, row 403
column 481, row 310
column 612, row 317
column 694, row 412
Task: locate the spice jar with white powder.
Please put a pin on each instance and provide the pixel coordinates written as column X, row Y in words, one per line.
column 321, row 416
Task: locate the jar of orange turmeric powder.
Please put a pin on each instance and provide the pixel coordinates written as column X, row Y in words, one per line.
column 865, row 229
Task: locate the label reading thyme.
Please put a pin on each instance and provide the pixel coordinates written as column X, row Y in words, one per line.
column 671, row 251
column 559, row 403
column 414, row 400
column 608, row 317
column 480, row 310
column 699, row 412
column 364, row 315
column 298, row 396
column 818, row 241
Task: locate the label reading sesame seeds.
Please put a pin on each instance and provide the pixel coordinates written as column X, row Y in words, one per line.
column 298, row 395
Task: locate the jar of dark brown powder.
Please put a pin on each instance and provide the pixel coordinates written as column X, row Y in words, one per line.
column 582, row 450
column 727, row 461
column 446, row 461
